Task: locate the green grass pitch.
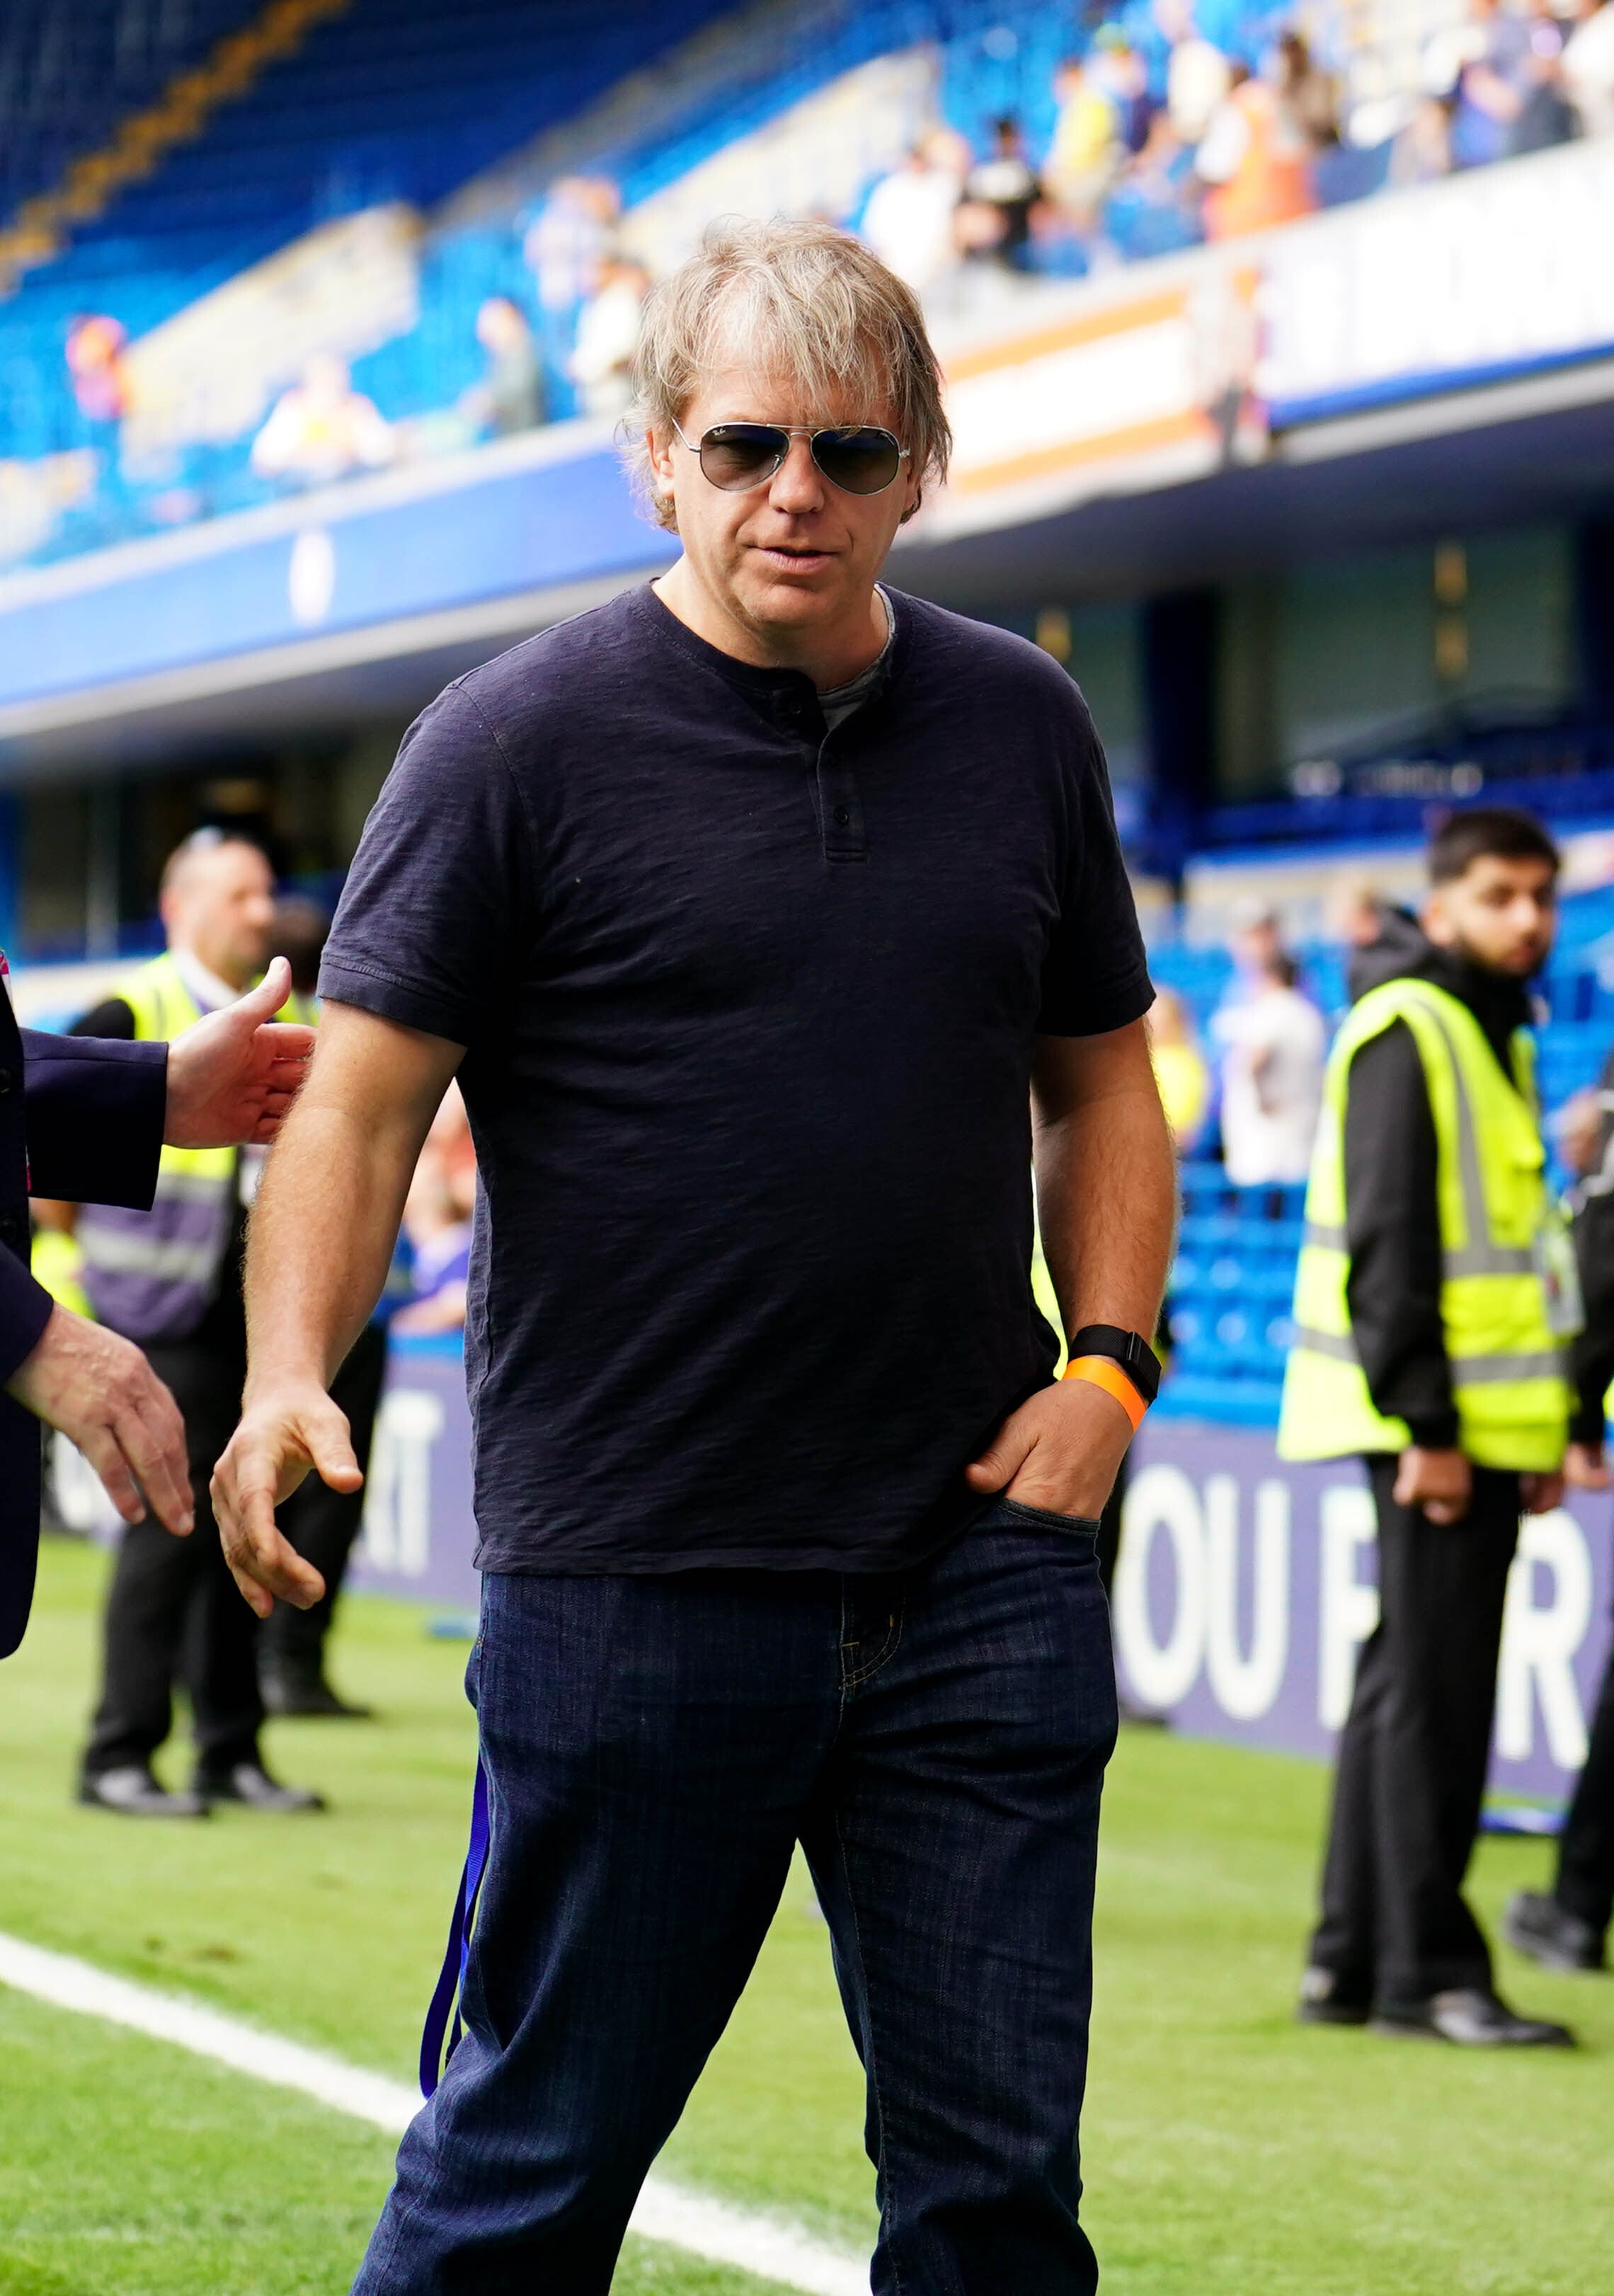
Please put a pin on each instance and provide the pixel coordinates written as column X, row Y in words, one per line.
column 1228, row 2151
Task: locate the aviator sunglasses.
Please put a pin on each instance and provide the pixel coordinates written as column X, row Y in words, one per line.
column 739, row 455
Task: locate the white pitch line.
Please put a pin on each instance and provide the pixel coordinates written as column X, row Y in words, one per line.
column 707, row 2228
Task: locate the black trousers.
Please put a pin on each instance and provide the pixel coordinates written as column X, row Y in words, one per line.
column 323, row 1524
column 174, row 1614
column 1586, row 1850
column 1416, row 1746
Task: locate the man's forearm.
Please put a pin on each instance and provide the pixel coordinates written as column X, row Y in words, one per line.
column 327, row 1215
column 1106, row 1187
column 319, row 1243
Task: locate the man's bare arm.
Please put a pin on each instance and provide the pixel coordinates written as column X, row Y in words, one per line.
column 320, row 1237
column 1106, row 1194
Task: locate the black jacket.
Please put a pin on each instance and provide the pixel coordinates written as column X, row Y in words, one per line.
column 1392, row 1218
column 82, row 1120
column 1592, row 1356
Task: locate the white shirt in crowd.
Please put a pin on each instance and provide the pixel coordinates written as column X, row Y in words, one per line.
column 1272, row 1085
column 908, row 222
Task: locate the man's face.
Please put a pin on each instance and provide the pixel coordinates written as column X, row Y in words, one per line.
column 1501, row 914
column 222, row 909
column 1256, row 945
column 793, row 557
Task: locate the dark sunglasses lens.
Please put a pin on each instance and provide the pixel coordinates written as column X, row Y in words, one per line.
column 859, row 462
column 737, row 455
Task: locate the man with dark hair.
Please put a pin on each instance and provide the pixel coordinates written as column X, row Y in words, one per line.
column 1497, row 833
column 1433, row 1295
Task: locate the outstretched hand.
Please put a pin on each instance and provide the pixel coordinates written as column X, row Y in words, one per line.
column 281, row 1435
column 1061, row 1450
column 234, row 1074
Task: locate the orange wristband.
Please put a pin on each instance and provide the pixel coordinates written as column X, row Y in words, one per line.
column 1103, row 1371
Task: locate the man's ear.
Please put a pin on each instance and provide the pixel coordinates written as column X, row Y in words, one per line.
column 1433, row 917
column 658, row 446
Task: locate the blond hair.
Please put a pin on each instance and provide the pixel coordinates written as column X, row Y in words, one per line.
column 801, row 300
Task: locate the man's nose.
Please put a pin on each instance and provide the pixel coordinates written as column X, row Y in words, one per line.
column 797, row 482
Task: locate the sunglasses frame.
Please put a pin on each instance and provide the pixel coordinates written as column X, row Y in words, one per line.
column 788, row 431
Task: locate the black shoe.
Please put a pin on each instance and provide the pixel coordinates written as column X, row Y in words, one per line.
column 250, row 1782
column 1326, row 1998
column 1474, row 2020
column 1558, row 1939
column 305, row 1693
column 133, row 1791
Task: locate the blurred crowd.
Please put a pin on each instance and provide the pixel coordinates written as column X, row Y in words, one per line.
column 1169, row 129
column 1162, row 138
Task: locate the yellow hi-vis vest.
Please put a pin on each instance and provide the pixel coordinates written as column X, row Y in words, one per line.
column 152, row 1274
column 1508, row 1382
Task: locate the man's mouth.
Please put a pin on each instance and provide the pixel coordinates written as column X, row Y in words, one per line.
column 797, row 556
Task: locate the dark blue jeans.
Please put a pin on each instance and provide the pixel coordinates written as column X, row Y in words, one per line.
column 655, row 1747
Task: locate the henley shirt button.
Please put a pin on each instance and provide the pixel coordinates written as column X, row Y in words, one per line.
column 841, row 817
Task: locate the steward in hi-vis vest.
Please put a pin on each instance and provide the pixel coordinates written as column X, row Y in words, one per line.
column 1433, row 1299
column 152, row 1274
column 1508, row 1295
column 170, row 1279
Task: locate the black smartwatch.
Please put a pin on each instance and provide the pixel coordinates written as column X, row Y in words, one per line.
column 1135, row 1356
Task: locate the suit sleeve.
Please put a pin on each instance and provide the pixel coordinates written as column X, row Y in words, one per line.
column 1392, row 1232
column 95, row 1112
column 25, row 1310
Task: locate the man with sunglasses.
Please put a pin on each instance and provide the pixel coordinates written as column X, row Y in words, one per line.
column 753, row 910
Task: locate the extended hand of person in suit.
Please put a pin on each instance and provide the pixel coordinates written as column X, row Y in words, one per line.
column 99, row 1391
column 234, row 1074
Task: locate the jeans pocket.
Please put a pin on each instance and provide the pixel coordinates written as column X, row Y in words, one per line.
column 1074, row 1526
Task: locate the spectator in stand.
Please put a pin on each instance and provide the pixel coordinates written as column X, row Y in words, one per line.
column 569, row 240
column 1355, row 913
column 1273, row 1043
column 437, row 1222
column 1255, row 161
column 1087, row 150
column 1422, row 150
column 1310, row 96
column 1154, row 205
column 1546, row 115
column 510, row 397
column 1179, row 1068
column 1492, row 84
column 95, row 365
column 322, row 429
column 908, row 221
column 1000, row 191
column 1198, row 76
column 608, row 336
column 1588, row 69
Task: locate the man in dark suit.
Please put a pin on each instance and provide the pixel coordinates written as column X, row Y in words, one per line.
column 86, row 1119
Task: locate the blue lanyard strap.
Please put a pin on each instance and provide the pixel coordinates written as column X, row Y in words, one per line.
column 443, row 2025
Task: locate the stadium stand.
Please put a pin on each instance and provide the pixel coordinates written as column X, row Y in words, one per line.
column 197, row 158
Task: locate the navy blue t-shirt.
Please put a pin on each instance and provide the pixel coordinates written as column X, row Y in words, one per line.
column 750, row 1014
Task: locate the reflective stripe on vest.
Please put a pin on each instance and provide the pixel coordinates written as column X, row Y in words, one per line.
column 1507, row 1368
column 152, row 1274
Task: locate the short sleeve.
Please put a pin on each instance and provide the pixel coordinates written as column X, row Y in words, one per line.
column 432, row 920
column 1095, row 976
